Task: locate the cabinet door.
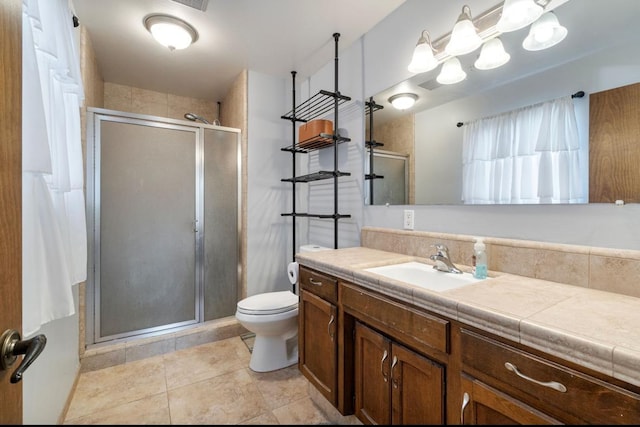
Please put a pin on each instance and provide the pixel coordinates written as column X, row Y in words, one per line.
column 417, row 388
column 372, row 356
column 317, row 344
column 482, row 404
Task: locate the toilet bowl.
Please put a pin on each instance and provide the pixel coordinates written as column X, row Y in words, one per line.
column 273, row 318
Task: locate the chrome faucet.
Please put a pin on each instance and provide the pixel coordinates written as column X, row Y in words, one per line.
column 442, row 260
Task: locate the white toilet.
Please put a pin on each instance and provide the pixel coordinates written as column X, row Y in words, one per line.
column 273, row 318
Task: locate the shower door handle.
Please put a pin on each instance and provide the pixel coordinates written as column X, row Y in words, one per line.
column 11, row 346
column 195, row 226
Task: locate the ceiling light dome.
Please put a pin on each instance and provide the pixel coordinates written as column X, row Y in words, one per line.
column 170, row 31
column 402, row 101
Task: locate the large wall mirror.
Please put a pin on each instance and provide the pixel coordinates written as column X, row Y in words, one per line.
column 423, row 144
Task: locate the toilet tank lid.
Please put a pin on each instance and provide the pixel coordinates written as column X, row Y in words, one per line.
column 269, row 301
column 313, row 248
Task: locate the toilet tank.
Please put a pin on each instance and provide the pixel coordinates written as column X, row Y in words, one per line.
column 312, row 248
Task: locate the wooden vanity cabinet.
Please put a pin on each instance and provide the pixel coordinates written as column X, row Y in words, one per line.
column 393, row 384
column 317, row 332
column 397, row 377
column 509, row 383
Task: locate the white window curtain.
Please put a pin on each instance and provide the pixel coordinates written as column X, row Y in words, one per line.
column 526, row 156
column 54, row 241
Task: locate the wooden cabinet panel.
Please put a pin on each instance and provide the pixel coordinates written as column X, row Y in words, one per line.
column 317, row 344
column 407, row 324
column 395, row 385
column 418, row 388
column 554, row 388
column 372, row 351
column 320, row 284
column 485, row 405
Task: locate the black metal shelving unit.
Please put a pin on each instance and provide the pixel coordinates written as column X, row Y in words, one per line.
column 321, row 103
column 370, row 108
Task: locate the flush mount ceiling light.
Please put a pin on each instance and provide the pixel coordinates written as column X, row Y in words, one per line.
column 544, row 33
column 402, row 101
column 518, row 14
column 423, row 59
column 451, row 72
column 464, row 37
column 170, row 31
column 492, row 55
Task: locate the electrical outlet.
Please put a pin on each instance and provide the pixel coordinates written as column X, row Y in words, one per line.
column 408, row 219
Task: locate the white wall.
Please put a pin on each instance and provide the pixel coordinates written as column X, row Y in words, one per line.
column 269, row 233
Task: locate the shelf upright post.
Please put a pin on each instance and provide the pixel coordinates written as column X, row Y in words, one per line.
column 336, row 36
column 371, row 102
column 293, row 165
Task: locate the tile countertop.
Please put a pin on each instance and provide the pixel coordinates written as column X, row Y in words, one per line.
column 596, row 329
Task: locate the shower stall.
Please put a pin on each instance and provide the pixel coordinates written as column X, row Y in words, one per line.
column 163, row 200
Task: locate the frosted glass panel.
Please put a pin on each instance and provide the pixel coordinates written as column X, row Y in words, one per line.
column 147, row 213
column 221, row 223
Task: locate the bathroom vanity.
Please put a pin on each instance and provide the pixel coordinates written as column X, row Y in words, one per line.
column 497, row 351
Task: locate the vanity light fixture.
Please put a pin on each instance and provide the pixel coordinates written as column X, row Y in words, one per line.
column 402, row 101
column 423, row 59
column 170, row 31
column 518, row 14
column 492, row 55
column 544, row 33
column 451, row 72
column 464, row 37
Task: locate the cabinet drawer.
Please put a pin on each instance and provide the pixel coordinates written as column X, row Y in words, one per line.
column 405, row 323
column 320, row 284
column 560, row 389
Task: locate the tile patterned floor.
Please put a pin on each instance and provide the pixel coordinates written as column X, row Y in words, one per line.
column 206, row 384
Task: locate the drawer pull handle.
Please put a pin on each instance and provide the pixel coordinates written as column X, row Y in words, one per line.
column 465, row 402
column 384, row 357
column 393, row 377
column 313, row 282
column 329, row 327
column 551, row 384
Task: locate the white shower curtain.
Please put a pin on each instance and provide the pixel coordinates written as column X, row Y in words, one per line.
column 54, row 235
column 530, row 155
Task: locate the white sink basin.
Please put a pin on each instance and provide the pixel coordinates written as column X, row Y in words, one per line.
column 425, row 276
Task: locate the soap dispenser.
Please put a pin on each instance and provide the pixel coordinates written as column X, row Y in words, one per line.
column 480, row 258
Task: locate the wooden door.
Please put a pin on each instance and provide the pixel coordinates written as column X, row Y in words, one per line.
column 372, row 376
column 10, row 195
column 317, row 344
column 417, row 388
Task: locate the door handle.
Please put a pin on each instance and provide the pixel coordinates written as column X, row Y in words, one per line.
column 12, row 347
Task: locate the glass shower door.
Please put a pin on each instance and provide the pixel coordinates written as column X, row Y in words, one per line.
column 146, row 228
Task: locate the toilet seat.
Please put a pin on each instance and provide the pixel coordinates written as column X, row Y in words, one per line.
column 268, row 303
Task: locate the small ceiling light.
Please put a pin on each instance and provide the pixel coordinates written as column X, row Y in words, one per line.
column 544, row 33
column 170, row 31
column 464, row 37
column 451, row 72
column 518, row 14
column 423, row 59
column 402, row 101
column 492, row 55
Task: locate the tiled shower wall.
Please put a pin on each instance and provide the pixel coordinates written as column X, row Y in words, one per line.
column 611, row 270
